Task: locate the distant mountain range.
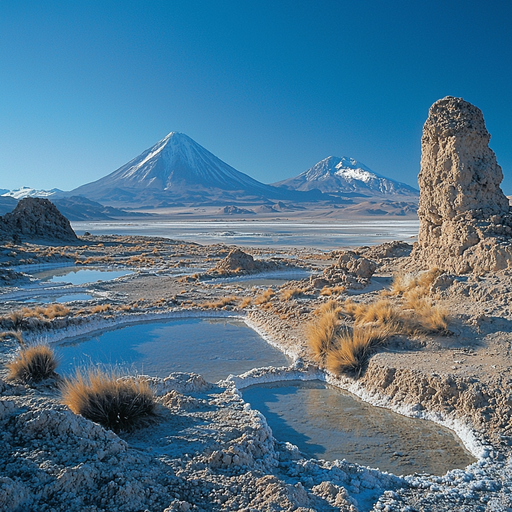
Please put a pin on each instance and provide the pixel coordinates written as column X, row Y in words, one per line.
column 345, row 176
column 21, row 193
column 177, row 171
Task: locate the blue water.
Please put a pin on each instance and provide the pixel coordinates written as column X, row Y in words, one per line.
column 46, row 299
column 213, row 347
column 76, row 276
column 328, row 423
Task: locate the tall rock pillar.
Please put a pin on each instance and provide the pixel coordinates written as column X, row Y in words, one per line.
column 465, row 223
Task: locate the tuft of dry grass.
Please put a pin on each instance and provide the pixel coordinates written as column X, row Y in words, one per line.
column 101, row 308
column 220, row 303
column 49, row 312
column 264, row 297
column 381, row 312
column 321, row 334
column 291, row 293
column 18, row 335
column 352, row 348
column 327, row 307
column 116, row 403
column 33, row 364
column 247, row 301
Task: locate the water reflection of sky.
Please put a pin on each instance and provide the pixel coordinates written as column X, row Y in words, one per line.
column 328, row 423
column 76, row 276
column 325, row 235
column 213, row 348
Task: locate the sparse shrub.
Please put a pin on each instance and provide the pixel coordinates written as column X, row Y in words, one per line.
column 33, row 364
column 321, row 334
column 247, row 301
column 16, row 317
column 291, row 293
column 101, row 308
column 264, row 297
column 18, row 335
column 119, row 404
column 352, row 348
column 220, row 303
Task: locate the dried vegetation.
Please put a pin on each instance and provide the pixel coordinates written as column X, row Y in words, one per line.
column 342, row 348
column 33, row 364
column 116, row 403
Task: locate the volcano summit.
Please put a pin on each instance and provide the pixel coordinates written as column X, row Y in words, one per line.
column 178, row 170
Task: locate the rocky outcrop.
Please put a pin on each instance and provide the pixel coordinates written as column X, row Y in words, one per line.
column 351, row 270
column 465, row 223
column 238, row 262
column 36, row 218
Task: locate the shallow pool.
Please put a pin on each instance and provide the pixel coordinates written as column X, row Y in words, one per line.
column 74, row 275
column 326, row 422
column 212, row 347
column 46, row 299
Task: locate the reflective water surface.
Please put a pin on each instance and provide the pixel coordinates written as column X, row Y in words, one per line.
column 77, row 275
column 326, row 422
column 212, row 347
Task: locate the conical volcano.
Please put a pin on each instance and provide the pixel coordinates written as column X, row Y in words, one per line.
column 178, row 169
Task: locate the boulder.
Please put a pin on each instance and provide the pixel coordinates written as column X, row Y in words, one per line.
column 465, row 224
column 351, row 270
column 36, row 218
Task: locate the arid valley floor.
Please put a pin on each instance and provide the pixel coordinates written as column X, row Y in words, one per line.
column 52, row 459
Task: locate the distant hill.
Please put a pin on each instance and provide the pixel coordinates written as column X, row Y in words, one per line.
column 80, row 208
column 345, row 176
column 7, row 204
column 179, row 170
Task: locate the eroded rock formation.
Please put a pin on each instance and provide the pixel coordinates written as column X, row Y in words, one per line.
column 465, row 223
column 351, row 270
column 36, row 218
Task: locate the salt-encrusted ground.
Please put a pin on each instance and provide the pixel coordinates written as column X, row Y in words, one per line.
column 209, row 450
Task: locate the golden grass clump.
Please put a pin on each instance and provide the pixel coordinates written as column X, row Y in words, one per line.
column 321, row 334
column 247, row 301
column 264, row 297
column 381, row 312
column 327, row 307
column 33, row 364
column 49, row 312
column 220, row 303
column 18, row 335
column 101, row 308
column 352, row 348
column 291, row 293
column 420, row 283
column 119, row 404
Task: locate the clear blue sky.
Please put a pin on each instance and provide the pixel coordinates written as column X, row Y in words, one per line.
column 270, row 87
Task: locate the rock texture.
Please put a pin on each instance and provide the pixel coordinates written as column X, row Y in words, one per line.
column 465, row 223
column 36, row 218
column 238, row 262
column 351, row 270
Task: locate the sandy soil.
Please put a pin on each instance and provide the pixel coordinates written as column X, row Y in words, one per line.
column 210, row 451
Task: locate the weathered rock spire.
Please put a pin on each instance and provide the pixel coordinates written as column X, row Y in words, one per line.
column 465, row 223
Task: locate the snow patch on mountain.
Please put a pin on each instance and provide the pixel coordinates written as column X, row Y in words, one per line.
column 21, row 193
column 334, row 175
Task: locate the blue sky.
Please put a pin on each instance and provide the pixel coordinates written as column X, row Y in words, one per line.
column 270, row 87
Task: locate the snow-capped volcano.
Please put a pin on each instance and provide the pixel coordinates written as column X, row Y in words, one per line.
column 334, row 175
column 177, row 169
